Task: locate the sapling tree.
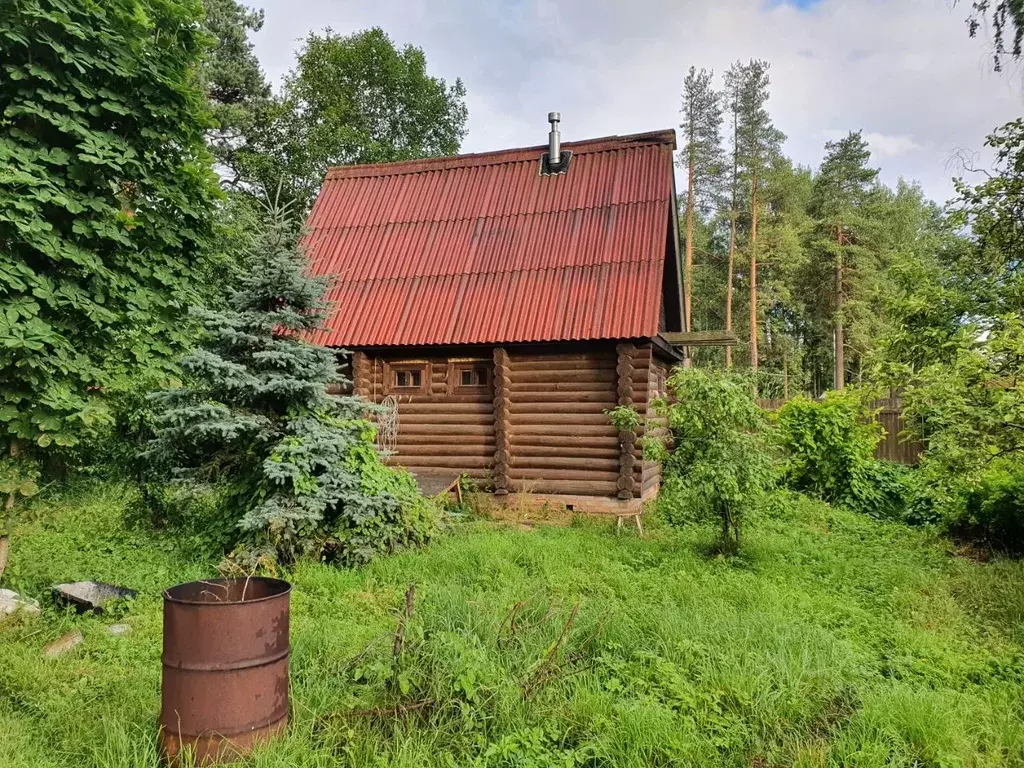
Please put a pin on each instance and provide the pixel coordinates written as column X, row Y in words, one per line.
column 295, row 467
column 718, row 455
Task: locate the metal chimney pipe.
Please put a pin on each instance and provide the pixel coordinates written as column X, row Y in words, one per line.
column 554, row 141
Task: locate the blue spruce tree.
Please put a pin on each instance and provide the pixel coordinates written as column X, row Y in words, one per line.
column 293, row 465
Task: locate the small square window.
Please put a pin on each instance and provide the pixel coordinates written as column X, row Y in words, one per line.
column 408, row 379
column 472, row 376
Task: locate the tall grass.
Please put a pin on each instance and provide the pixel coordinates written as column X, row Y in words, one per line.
column 835, row 641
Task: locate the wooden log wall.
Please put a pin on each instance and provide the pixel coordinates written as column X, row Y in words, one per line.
column 502, row 441
column 649, row 375
column 624, row 369
column 540, row 427
column 439, row 429
column 361, row 374
column 560, row 440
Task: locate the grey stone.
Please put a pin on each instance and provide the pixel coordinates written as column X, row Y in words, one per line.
column 119, row 629
column 11, row 602
column 90, row 595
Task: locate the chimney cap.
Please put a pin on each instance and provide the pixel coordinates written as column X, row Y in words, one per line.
column 554, row 117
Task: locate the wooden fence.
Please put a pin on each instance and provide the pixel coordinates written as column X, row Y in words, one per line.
column 890, row 416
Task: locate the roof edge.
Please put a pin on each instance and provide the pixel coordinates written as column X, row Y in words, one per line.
column 421, row 165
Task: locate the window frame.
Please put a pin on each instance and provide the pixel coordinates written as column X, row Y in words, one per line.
column 456, row 367
column 391, row 371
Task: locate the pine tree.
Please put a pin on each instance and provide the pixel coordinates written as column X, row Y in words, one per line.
column 758, row 142
column 733, row 80
column 296, row 465
column 236, row 88
column 842, row 190
column 702, row 158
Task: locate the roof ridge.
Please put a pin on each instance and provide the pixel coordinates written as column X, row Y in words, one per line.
column 497, row 157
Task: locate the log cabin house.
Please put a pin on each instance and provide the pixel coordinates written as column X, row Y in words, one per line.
column 506, row 300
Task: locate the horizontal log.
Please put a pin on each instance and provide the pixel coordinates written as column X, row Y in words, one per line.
column 583, row 488
column 520, row 462
column 545, row 448
column 443, row 417
column 453, row 448
column 444, row 429
column 529, row 473
column 566, row 416
column 447, row 462
column 576, row 357
column 423, row 400
column 582, row 430
column 451, row 406
column 432, row 438
column 519, row 440
column 561, row 364
column 608, row 387
column 539, row 395
column 442, row 397
column 477, row 473
column 518, row 409
column 563, row 376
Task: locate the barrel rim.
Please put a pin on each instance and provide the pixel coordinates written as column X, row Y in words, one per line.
column 285, row 588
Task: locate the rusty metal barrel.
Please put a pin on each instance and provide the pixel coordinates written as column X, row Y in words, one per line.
column 225, row 667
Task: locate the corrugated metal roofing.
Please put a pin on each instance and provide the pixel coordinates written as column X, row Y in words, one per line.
column 485, row 249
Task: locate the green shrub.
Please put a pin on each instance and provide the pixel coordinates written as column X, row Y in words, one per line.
column 107, row 202
column 718, row 464
column 830, row 447
column 992, row 512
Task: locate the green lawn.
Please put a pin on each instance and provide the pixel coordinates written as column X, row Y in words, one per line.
column 835, row 640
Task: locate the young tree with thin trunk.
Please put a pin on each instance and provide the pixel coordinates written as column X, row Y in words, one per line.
column 702, row 158
column 758, row 142
column 842, row 190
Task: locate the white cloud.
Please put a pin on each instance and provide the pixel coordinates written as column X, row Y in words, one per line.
column 885, row 145
column 882, row 145
column 902, row 71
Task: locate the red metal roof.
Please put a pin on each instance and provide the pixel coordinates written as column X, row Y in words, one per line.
column 484, row 249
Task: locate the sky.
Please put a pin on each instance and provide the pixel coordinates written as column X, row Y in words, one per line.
column 904, row 72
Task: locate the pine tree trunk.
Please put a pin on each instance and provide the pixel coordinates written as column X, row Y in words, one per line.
column 753, row 273
column 728, row 286
column 839, row 377
column 732, row 235
column 688, row 265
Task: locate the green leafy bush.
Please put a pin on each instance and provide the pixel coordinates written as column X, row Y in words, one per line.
column 830, row 446
column 992, row 512
column 718, row 464
column 625, row 418
column 253, row 424
column 106, row 206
